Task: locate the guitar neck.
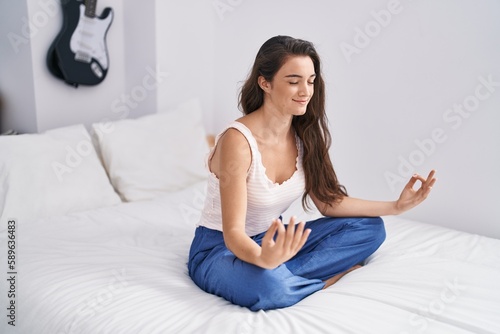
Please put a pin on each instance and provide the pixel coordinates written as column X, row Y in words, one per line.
column 90, row 8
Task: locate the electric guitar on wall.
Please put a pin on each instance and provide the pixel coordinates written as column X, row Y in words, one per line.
column 79, row 54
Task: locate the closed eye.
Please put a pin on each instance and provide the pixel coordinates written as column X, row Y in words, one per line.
column 300, row 78
column 296, row 83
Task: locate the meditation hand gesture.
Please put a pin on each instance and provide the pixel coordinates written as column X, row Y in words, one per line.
column 410, row 197
column 288, row 242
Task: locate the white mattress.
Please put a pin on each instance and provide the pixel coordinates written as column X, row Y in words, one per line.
column 122, row 269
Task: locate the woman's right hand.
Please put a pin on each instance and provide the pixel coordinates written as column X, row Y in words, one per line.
column 288, row 242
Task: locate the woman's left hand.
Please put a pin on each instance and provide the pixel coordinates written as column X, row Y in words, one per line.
column 410, row 197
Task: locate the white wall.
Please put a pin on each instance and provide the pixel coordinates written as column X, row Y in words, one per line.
column 185, row 54
column 395, row 91
column 16, row 75
column 141, row 70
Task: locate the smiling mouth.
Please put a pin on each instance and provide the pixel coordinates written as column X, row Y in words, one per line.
column 301, row 101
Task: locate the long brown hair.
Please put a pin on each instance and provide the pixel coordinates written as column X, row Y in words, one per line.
column 312, row 127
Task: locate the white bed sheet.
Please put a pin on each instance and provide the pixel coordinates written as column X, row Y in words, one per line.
column 123, row 269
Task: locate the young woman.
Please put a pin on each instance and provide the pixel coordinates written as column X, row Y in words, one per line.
column 262, row 162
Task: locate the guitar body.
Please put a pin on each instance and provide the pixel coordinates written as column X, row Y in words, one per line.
column 79, row 54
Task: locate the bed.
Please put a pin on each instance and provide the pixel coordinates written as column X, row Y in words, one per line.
column 102, row 248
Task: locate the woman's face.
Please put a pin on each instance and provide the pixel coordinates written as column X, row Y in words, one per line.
column 292, row 87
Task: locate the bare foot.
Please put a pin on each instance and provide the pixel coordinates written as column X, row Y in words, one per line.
column 334, row 279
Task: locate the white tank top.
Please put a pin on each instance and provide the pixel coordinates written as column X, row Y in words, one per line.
column 266, row 200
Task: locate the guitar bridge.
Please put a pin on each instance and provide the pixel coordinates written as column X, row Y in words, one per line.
column 83, row 57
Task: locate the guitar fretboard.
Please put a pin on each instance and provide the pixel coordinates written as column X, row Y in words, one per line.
column 90, row 7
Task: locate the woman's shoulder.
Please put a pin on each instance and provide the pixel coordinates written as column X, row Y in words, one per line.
column 233, row 151
column 232, row 139
column 237, row 131
column 232, row 135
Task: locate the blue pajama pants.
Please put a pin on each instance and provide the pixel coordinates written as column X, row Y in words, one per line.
column 334, row 245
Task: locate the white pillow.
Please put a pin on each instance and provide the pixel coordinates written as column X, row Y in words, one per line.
column 154, row 154
column 53, row 173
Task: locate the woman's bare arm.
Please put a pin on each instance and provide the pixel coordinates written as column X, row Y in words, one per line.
column 355, row 207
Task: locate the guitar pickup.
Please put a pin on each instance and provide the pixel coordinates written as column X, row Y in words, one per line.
column 83, row 57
